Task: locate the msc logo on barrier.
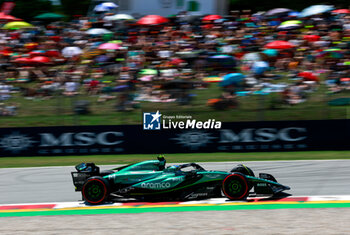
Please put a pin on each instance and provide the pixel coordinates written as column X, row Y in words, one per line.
column 16, row 142
column 151, row 121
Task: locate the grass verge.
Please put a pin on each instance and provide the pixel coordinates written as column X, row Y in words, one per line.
column 59, row 110
column 6, row 162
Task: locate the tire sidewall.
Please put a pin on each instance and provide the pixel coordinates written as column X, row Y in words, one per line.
column 244, row 184
column 102, row 184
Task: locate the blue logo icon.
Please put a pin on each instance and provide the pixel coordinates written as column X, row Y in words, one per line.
column 151, row 121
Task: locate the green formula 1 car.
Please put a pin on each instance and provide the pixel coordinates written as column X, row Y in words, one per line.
column 151, row 180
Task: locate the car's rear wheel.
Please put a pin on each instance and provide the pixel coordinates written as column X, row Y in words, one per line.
column 235, row 186
column 95, row 190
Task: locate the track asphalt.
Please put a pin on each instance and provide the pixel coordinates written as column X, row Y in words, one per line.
column 25, row 186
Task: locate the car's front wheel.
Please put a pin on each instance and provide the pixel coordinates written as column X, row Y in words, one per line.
column 95, row 190
column 235, row 186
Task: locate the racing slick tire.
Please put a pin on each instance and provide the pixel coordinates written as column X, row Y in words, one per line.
column 95, row 190
column 235, row 186
column 243, row 169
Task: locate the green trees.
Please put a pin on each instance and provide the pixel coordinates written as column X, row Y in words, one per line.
column 75, row 7
column 27, row 9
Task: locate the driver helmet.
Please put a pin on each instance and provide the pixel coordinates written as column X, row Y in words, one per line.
column 173, row 168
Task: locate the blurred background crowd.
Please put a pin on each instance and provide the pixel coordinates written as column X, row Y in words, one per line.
column 273, row 63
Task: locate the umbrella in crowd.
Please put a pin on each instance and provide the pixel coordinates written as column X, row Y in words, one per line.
column 41, row 59
column 49, row 16
column 211, row 17
column 119, row 17
column 226, row 61
column 212, row 79
column 152, row 20
column 270, row 52
column 182, row 45
column 291, row 22
column 333, row 50
column 277, row 11
column 232, row 79
column 219, row 57
column 146, row 78
column 71, row 51
column 148, row 72
column 332, row 53
column 105, row 6
column 116, row 41
column 315, row 9
column 293, row 14
column 3, row 16
column 289, row 27
column 109, row 46
column 98, row 31
column 259, row 67
column 17, row 25
column 308, row 76
column 23, row 60
column 341, row 11
column 311, row 38
column 279, row 45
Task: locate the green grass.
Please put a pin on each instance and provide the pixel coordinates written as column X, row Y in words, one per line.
column 58, row 110
column 6, row 162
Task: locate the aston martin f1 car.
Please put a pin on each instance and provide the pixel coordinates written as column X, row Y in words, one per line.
column 151, row 180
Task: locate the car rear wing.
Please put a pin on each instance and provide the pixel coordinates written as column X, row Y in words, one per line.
column 84, row 171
